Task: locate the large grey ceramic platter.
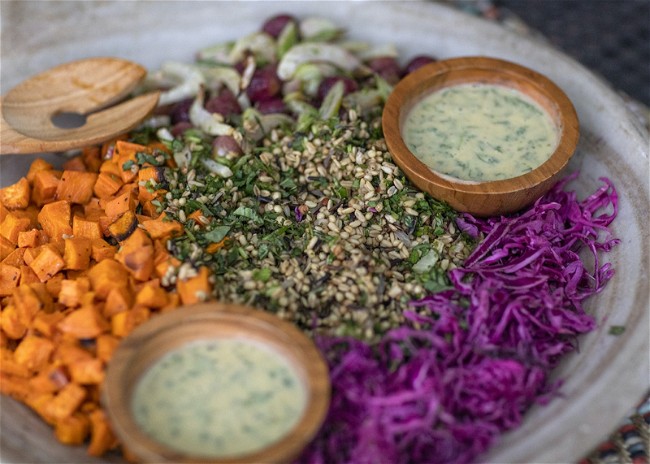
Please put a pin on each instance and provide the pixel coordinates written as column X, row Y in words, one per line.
column 601, row 382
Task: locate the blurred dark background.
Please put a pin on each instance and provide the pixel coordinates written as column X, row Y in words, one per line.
column 610, row 37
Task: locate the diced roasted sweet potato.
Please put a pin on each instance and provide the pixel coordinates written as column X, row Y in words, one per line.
column 6, row 247
column 123, row 323
column 12, row 324
column 16, row 196
column 163, row 227
column 9, row 278
column 106, row 345
column 195, row 289
column 85, row 322
column 37, row 165
column 120, row 204
column 15, row 258
column 31, row 238
column 47, row 263
column 84, row 227
column 72, row 291
column 46, row 323
column 151, row 296
column 118, row 300
column 72, row 430
column 136, row 254
column 76, row 186
column 45, row 184
column 92, row 158
column 77, row 253
column 12, row 226
column 123, row 226
column 27, row 303
column 9, row 365
column 34, row 352
column 102, row 438
column 55, row 219
column 107, row 184
column 75, row 163
column 102, row 250
column 66, row 401
column 106, row 275
column 68, row 352
column 14, row 386
column 87, row 372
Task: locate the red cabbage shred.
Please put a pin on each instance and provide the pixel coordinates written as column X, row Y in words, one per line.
column 470, row 361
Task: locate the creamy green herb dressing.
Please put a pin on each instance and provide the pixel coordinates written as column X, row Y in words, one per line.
column 219, row 398
column 480, row 132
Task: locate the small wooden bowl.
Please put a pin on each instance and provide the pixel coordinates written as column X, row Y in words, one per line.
column 209, row 321
column 491, row 197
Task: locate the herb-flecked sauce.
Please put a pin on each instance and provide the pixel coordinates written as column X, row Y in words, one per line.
column 480, row 132
column 218, row 398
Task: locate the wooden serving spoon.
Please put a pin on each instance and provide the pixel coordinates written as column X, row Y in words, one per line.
column 86, row 89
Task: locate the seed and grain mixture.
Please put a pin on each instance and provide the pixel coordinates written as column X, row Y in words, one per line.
column 302, row 211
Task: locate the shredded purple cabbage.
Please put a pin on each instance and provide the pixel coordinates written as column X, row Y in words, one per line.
column 470, row 361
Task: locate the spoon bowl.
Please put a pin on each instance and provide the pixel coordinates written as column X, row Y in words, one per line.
column 88, row 87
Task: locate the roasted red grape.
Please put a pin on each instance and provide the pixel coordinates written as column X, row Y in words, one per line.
column 349, row 85
column 418, row 62
column 273, row 105
column 274, row 25
column 387, row 67
column 265, row 84
column 180, row 112
column 225, row 144
column 225, row 104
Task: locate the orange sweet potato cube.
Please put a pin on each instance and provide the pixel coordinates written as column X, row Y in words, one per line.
column 16, row 196
column 120, row 204
column 55, row 219
column 77, row 253
column 84, row 227
column 136, row 254
column 151, row 296
column 45, row 185
column 46, row 323
column 16, row 258
column 101, row 249
column 47, row 263
column 162, row 228
column 72, row 430
column 12, row 324
column 119, row 299
column 107, row 184
column 27, row 276
column 92, row 158
column 27, row 303
column 72, row 291
column 6, row 247
column 85, row 322
column 195, row 289
column 76, row 186
column 106, row 275
column 31, row 238
column 87, row 372
column 9, row 365
column 66, row 401
column 106, row 346
column 12, row 226
column 9, row 278
column 34, row 352
column 37, row 165
column 102, row 438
